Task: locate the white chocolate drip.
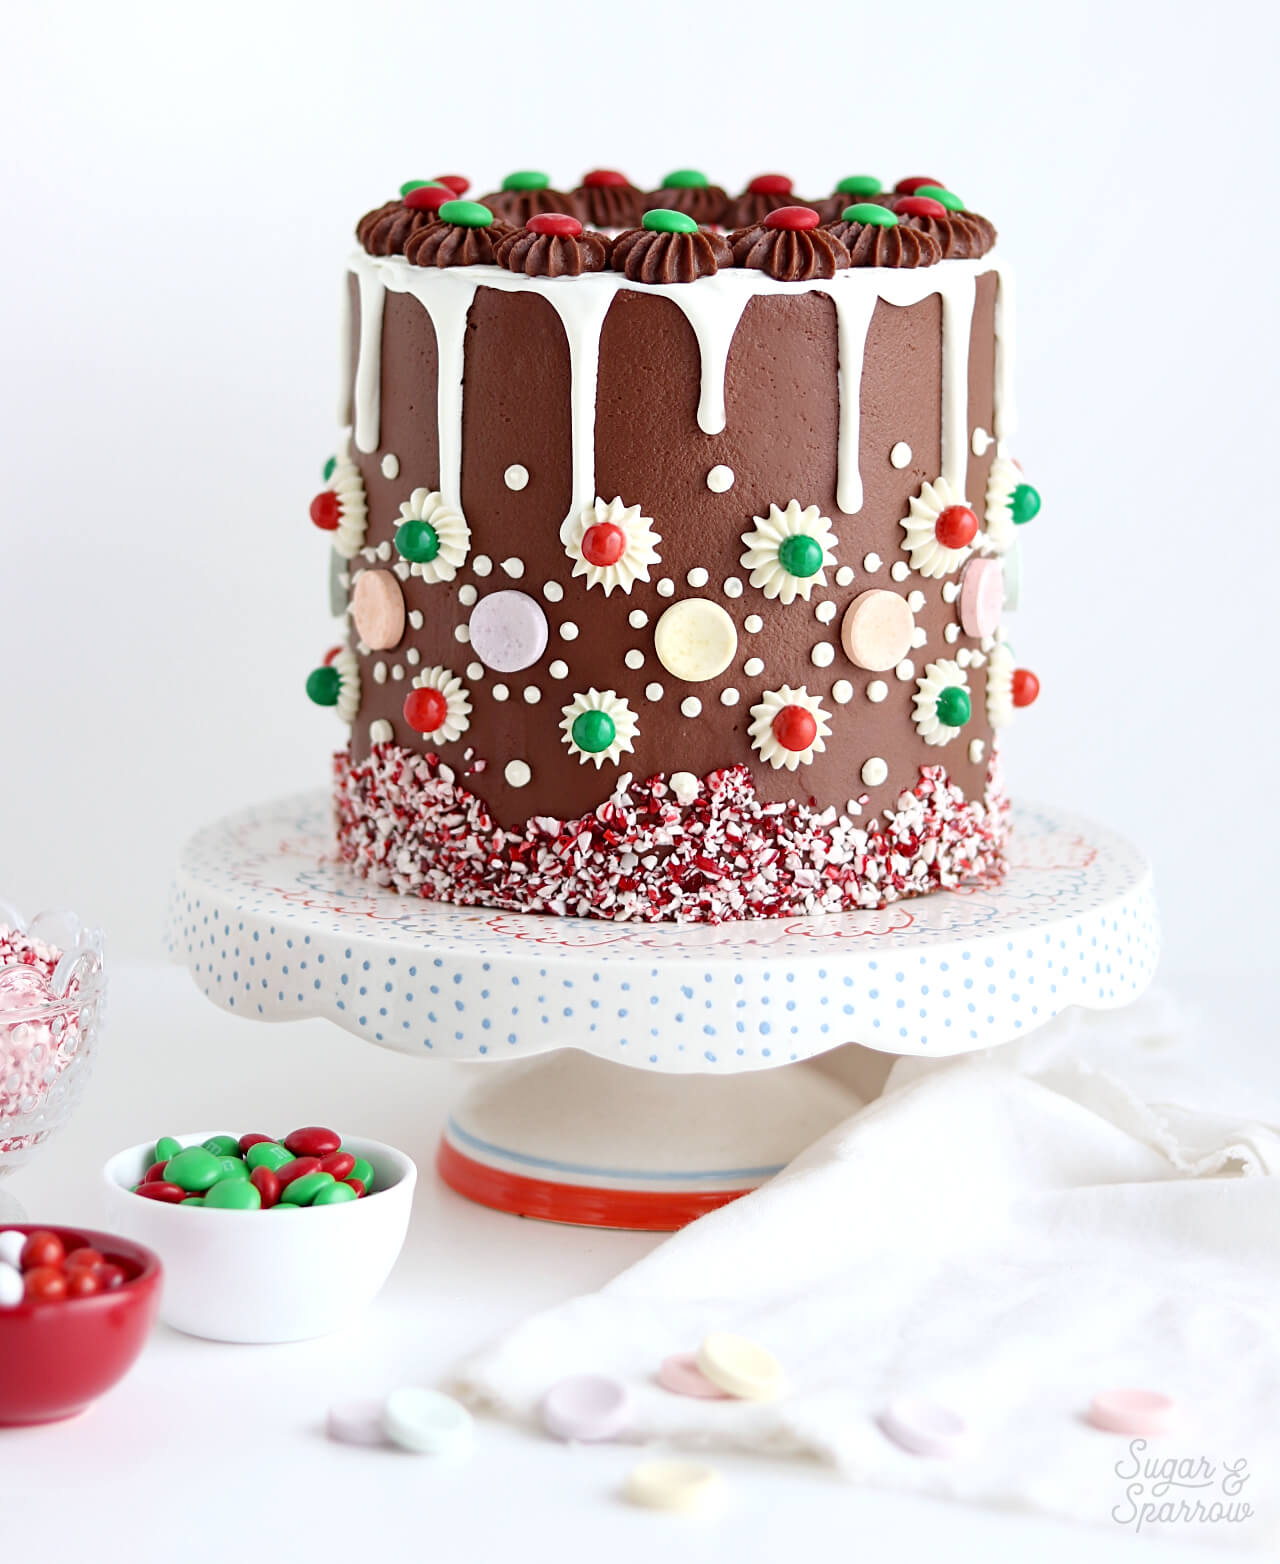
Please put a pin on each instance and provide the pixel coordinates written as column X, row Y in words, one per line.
column 714, row 307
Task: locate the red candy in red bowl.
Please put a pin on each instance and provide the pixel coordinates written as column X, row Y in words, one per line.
column 63, row 1351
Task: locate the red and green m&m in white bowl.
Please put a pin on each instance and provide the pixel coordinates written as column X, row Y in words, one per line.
column 234, row 1273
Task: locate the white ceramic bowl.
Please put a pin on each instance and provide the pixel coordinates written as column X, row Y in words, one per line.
column 264, row 1276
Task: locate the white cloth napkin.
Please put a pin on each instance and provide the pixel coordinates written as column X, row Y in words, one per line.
column 1004, row 1233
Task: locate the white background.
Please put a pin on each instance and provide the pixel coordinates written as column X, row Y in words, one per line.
column 181, row 188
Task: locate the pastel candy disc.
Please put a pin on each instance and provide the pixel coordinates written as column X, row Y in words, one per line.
column 586, row 1407
column 377, row 606
column 740, row 1367
column 981, row 596
column 877, row 630
column 695, row 639
column 356, row 1422
column 426, row 1422
column 508, row 631
column 923, row 1427
column 1141, row 1413
column 671, row 1485
column 681, row 1375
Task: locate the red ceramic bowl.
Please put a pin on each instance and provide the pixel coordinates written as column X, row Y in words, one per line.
column 59, row 1357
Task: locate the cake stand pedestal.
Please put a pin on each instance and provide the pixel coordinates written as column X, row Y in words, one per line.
column 654, row 1071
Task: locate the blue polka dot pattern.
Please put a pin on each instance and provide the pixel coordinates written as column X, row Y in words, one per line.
column 272, row 927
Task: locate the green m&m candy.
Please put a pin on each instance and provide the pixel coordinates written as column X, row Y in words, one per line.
column 324, row 685
column 364, row 1172
column 333, row 1195
column 268, row 1154
column 685, row 179
column 233, row 1168
column 302, row 1191
column 222, row 1145
column 466, row 214
column 194, row 1169
column 663, row 220
column 947, row 198
column 234, row 1194
column 859, row 185
column 953, row 706
column 1025, row 503
column 801, row 555
column 869, row 212
column 166, row 1147
column 593, row 731
column 417, row 541
column 525, row 179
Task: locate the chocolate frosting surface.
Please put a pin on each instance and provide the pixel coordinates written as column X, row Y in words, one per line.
column 449, row 244
column 704, row 203
column 962, row 235
column 516, row 207
column 387, row 229
column 610, row 206
column 789, row 254
column 870, row 245
column 647, row 255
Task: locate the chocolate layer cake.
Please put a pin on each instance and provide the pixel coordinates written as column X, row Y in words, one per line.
column 672, row 535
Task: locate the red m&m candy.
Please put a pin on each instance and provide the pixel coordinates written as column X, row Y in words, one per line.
column 1025, row 687
column 425, row 710
column 298, row 1168
column 911, row 185
column 458, row 183
column 559, row 224
column 793, row 218
column 429, row 198
column 267, row 1184
column 605, row 179
column 325, row 511
column 795, row 728
column 161, row 1189
column 770, row 184
column 339, row 1163
column 919, row 206
column 956, row 527
column 603, row 544
column 246, row 1141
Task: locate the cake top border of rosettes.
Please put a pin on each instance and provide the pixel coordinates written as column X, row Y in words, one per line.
column 685, row 229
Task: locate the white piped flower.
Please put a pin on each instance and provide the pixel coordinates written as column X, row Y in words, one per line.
column 598, row 726
column 1000, row 685
column 764, row 729
column 450, row 528
column 929, row 556
column 353, row 513
column 457, row 703
column 771, row 555
column 937, row 677
column 348, row 666
column 638, row 548
column 998, row 521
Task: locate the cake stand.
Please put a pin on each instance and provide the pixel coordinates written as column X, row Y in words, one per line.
column 654, row 1071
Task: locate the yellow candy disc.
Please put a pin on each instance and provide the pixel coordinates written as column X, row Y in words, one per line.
column 695, row 639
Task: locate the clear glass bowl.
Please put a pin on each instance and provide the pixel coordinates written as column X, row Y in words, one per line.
column 53, row 987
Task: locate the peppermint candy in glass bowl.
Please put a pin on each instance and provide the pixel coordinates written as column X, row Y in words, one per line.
column 52, row 994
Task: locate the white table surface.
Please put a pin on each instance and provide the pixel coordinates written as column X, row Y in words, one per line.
column 207, row 1450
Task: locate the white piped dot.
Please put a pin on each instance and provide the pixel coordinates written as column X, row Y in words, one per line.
column 637, row 619
column 877, row 690
column 753, row 666
column 905, row 670
column 918, row 637
column 415, row 618
column 634, row 658
column 900, row 455
column 823, row 655
column 844, row 575
column 697, row 577
column 514, row 568
column 732, row 587
column 568, row 631
column 391, row 465
column 981, row 441
column 900, row 570
column 397, row 671
column 691, row 706
column 381, row 731
column 729, row 697
column 825, row 612
column 952, row 632
column 461, row 633
column 413, row 656
column 475, row 670
column 977, row 749
column 467, row 595
column 653, row 692
column 516, row 476
column 964, row 657
column 401, row 567
column 874, row 771
column 753, row 624
column 532, row 694
column 384, row 550
column 500, row 692
column 950, row 591
column 666, row 587
column 842, row 692
column 379, row 673
column 871, row 563
column 482, row 564
column 915, row 601
column 518, row 773
column 559, row 669
column 720, row 479
column 552, row 591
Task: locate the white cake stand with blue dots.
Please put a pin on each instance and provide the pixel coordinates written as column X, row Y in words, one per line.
column 644, row 1078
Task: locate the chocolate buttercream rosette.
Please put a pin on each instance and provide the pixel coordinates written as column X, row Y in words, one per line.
column 853, row 189
column 553, row 244
column 524, row 194
column 388, row 229
column 963, row 235
column 465, row 234
column 608, row 199
column 873, row 236
column 670, row 247
column 790, row 246
column 689, row 191
column 765, row 194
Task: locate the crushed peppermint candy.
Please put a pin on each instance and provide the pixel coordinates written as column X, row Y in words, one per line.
column 38, row 1039
column 652, row 853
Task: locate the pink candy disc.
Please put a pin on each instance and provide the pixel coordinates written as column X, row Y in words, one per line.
column 508, row 631
column 981, row 596
column 356, row 1423
column 1144, row 1413
column 377, row 606
column 923, row 1427
column 681, row 1375
column 877, row 629
column 586, row 1407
